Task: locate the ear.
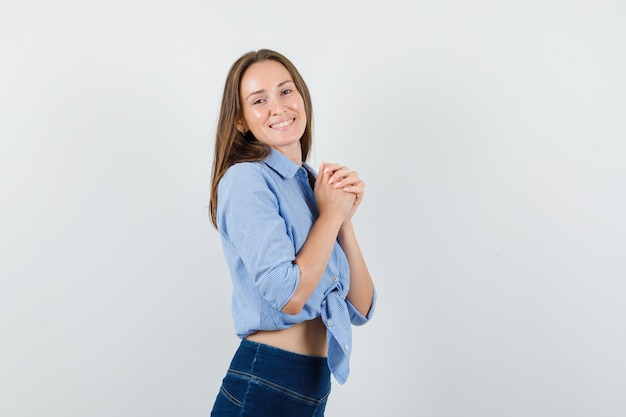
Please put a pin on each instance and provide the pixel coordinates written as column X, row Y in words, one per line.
column 241, row 126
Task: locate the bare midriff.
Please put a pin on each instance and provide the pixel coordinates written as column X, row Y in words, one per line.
column 306, row 338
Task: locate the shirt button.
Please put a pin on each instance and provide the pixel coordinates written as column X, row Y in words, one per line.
column 335, row 279
column 347, row 347
column 329, row 322
column 323, row 302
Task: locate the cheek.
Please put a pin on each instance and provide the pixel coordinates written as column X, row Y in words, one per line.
column 252, row 117
column 298, row 105
column 302, row 111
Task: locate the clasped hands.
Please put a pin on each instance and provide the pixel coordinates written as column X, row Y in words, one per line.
column 338, row 191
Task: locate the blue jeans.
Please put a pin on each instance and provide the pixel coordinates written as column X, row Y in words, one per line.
column 264, row 381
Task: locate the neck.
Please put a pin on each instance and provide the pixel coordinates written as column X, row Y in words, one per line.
column 292, row 152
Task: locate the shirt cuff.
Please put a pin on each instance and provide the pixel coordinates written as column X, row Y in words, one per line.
column 357, row 318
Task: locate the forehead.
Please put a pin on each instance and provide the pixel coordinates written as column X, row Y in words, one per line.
column 263, row 75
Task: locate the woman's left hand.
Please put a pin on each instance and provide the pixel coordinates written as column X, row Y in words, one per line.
column 347, row 180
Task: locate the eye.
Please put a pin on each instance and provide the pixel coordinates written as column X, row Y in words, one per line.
column 287, row 91
column 259, row 101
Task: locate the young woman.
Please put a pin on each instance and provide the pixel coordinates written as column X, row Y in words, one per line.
column 299, row 278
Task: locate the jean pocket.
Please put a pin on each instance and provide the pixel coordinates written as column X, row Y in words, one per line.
column 265, row 399
column 234, row 388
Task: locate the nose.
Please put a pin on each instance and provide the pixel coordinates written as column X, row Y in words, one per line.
column 278, row 107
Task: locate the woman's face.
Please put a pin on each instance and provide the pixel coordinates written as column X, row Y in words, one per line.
column 273, row 109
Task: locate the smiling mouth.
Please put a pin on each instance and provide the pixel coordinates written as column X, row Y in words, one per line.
column 282, row 124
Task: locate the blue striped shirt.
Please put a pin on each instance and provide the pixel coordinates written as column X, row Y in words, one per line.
column 264, row 214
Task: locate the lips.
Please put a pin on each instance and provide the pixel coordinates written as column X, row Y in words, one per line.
column 283, row 124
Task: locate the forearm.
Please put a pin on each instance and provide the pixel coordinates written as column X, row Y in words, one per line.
column 312, row 260
column 361, row 284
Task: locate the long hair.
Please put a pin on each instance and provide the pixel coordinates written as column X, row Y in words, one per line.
column 231, row 145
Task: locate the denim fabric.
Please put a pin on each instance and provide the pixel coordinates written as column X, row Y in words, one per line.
column 265, row 212
column 264, row 381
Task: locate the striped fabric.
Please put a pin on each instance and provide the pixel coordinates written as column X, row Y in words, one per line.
column 265, row 212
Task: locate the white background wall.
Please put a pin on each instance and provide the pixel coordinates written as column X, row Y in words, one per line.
column 492, row 139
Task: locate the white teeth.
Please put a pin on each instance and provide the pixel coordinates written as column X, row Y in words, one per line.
column 281, row 124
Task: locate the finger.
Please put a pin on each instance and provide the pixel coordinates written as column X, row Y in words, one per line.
column 330, row 167
column 358, row 188
column 351, row 179
column 339, row 174
column 326, row 171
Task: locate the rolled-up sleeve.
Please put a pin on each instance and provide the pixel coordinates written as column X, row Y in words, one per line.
column 357, row 318
column 248, row 216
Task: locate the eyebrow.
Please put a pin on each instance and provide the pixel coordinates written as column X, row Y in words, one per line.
column 262, row 91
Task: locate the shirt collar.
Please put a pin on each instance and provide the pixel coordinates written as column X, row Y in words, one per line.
column 282, row 165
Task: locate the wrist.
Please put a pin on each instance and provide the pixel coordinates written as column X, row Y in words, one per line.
column 331, row 219
column 347, row 224
column 346, row 229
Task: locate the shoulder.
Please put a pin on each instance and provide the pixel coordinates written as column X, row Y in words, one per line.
column 244, row 190
column 244, row 173
column 245, row 179
column 244, row 169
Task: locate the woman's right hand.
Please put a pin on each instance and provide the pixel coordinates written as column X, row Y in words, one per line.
column 332, row 201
